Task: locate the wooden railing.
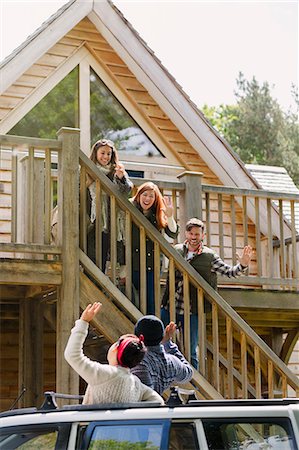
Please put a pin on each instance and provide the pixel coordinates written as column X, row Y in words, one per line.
column 33, row 194
column 236, row 217
column 233, row 216
column 240, row 365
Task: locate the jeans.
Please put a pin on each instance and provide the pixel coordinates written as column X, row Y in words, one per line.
column 165, row 317
column 150, row 290
column 91, row 246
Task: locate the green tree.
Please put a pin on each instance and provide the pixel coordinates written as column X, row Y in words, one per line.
column 257, row 128
column 59, row 108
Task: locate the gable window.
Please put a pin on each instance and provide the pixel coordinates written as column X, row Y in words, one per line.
column 110, row 120
column 59, row 108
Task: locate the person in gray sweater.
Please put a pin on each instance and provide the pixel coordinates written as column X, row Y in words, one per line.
column 163, row 363
column 113, row 382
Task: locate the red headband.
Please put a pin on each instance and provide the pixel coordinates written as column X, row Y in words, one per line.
column 123, row 345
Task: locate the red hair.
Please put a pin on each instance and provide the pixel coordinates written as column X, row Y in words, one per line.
column 159, row 203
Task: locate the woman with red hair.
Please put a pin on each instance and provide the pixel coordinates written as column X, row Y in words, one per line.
column 159, row 211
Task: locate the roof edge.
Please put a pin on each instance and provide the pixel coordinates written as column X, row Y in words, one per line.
column 43, row 38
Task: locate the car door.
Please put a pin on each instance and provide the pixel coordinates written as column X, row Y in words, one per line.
column 253, row 433
column 36, row 436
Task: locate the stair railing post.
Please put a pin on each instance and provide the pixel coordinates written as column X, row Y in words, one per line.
column 67, row 381
column 192, row 198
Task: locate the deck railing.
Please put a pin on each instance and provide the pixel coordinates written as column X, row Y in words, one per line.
column 233, row 217
column 29, row 195
column 239, row 365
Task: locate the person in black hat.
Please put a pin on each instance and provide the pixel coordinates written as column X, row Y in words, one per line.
column 163, row 363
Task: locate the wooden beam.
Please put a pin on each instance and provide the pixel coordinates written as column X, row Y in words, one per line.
column 289, row 344
column 30, row 248
column 67, row 380
column 192, row 194
column 38, row 291
column 22, row 141
column 261, row 299
column 31, row 352
column 119, row 298
column 111, row 322
column 39, row 43
column 26, row 272
column 9, row 293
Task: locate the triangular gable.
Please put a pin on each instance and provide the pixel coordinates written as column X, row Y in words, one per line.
column 181, row 127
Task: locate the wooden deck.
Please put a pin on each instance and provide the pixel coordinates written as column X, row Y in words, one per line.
column 234, row 360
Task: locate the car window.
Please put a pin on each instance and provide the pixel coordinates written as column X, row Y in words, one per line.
column 34, row 437
column 182, row 437
column 128, row 435
column 274, row 434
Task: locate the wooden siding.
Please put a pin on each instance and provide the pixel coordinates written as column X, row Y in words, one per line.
column 5, row 197
column 85, row 33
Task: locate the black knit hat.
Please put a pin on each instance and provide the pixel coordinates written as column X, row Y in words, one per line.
column 152, row 329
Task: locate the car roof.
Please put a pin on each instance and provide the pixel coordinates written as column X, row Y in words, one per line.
column 49, row 407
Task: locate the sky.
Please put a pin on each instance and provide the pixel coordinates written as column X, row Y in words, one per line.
column 203, row 44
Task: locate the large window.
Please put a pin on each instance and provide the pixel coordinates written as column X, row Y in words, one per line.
column 109, row 120
column 135, row 435
column 58, row 109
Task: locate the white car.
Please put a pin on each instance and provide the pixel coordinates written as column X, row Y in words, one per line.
column 204, row 425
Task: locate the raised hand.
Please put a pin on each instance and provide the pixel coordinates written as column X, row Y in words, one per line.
column 168, row 210
column 246, row 256
column 169, row 332
column 90, row 311
column 120, row 171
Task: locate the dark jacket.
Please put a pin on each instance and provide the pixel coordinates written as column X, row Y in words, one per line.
column 149, row 242
column 124, row 186
column 202, row 263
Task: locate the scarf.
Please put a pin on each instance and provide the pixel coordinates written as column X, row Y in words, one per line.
column 120, row 217
column 104, row 208
column 197, row 251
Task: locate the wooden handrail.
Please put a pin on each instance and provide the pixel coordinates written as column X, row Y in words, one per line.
column 24, row 141
column 221, row 306
column 261, row 193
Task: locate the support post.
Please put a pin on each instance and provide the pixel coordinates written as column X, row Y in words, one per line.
column 67, row 381
column 192, row 196
column 31, row 367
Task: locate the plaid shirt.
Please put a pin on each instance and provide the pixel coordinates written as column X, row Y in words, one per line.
column 217, row 266
column 161, row 366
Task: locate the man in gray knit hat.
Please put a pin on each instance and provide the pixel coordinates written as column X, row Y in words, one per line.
column 163, row 363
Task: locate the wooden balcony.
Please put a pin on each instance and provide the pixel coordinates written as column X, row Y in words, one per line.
column 234, row 360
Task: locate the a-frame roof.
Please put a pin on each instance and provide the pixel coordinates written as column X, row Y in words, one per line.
column 188, row 121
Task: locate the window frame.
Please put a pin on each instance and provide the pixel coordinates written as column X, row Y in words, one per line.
column 283, row 421
column 166, row 423
column 63, row 430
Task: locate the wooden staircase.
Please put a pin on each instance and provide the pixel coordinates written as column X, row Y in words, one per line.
column 234, row 361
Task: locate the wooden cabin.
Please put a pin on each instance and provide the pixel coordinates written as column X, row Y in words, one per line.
column 87, row 74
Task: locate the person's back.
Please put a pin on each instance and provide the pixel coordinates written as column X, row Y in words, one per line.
column 163, row 363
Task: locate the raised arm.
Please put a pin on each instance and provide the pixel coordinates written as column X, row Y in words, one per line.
column 183, row 369
column 224, row 269
column 85, row 367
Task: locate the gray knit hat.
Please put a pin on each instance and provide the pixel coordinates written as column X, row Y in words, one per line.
column 152, row 329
